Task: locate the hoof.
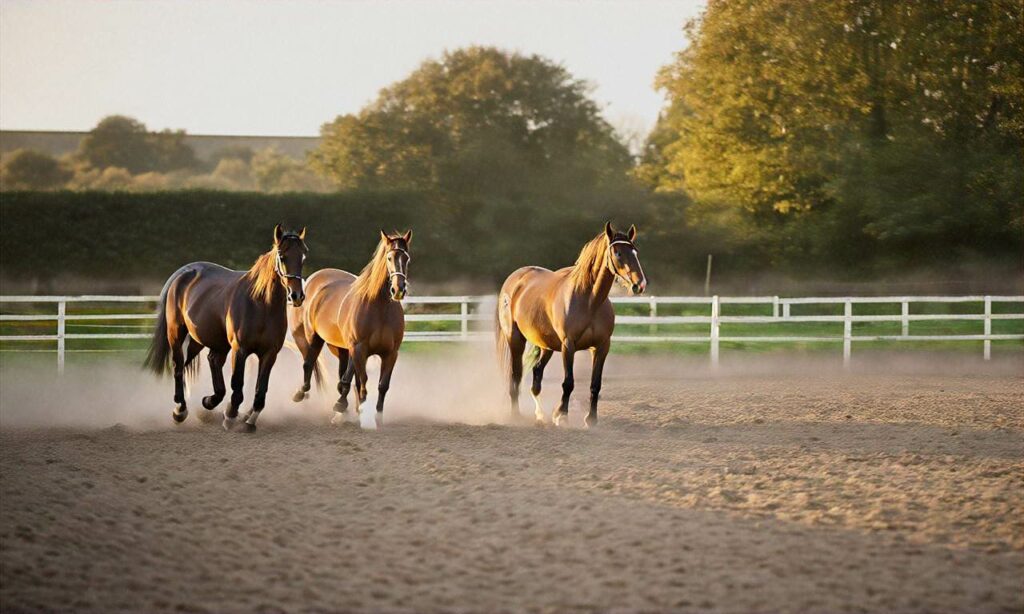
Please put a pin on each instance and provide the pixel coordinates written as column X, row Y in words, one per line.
column 180, row 413
column 228, row 423
column 245, row 427
column 560, row 418
column 300, row 396
column 379, row 420
column 340, row 407
column 590, row 421
column 339, row 417
column 211, row 402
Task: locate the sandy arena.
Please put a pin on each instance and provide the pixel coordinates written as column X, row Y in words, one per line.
column 896, row 488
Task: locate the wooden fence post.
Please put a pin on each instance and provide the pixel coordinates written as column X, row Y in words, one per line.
column 61, row 328
column 847, row 331
column 715, row 308
column 988, row 328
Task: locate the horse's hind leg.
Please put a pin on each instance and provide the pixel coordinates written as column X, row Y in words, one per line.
column 238, row 357
column 176, row 338
column 538, row 377
column 346, row 369
column 259, row 401
column 310, row 354
column 516, row 347
column 217, row 360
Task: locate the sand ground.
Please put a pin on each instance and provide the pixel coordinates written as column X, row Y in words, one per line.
column 874, row 491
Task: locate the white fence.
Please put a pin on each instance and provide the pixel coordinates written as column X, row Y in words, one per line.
column 481, row 308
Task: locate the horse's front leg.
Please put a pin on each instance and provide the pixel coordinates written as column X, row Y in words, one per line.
column 238, row 357
column 259, row 401
column 346, row 371
column 561, row 414
column 387, row 366
column 600, row 353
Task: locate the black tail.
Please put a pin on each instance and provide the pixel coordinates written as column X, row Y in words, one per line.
column 531, row 358
column 159, row 348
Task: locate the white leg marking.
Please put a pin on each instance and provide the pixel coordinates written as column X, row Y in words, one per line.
column 538, row 410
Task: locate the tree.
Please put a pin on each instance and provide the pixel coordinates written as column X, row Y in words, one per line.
column 27, row 169
column 477, row 121
column 860, row 123
column 124, row 142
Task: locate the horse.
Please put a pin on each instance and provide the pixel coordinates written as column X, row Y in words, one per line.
column 210, row 306
column 356, row 317
column 565, row 311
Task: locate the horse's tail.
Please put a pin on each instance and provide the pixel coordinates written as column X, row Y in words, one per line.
column 159, row 347
column 501, row 343
column 531, row 358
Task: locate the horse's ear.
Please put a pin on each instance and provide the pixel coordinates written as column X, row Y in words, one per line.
column 302, row 233
column 408, row 237
column 384, row 236
column 632, row 233
column 608, row 231
column 278, row 233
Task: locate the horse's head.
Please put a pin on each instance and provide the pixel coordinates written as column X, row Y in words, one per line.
column 291, row 253
column 397, row 254
column 623, row 260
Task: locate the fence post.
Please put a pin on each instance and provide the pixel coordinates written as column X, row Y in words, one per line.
column 785, row 309
column 654, row 313
column 61, row 313
column 988, row 328
column 715, row 306
column 464, row 311
column 905, row 315
column 775, row 306
column 847, row 331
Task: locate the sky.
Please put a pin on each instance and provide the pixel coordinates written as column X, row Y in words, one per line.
column 277, row 68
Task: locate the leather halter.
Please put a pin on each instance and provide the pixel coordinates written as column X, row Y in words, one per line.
column 280, row 265
column 394, row 273
column 625, row 282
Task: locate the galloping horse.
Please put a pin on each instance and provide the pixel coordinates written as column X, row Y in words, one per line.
column 565, row 311
column 210, row 306
column 357, row 317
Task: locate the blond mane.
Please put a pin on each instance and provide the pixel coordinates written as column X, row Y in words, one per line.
column 588, row 265
column 262, row 277
column 373, row 278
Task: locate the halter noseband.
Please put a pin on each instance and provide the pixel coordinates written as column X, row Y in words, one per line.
column 280, row 265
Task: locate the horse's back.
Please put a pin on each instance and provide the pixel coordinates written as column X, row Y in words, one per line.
column 197, row 296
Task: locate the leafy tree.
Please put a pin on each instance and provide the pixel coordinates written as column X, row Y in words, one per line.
column 27, row 169
column 477, row 121
column 123, row 142
column 848, row 125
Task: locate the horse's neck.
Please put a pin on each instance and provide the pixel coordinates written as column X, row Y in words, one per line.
column 597, row 293
column 277, row 296
column 603, row 286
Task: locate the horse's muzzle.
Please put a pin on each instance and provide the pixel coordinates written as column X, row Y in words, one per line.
column 639, row 288
column 295, row 298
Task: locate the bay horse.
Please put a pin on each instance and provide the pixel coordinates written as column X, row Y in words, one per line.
column 356, row 317
column 242, row 312
column 565, row 311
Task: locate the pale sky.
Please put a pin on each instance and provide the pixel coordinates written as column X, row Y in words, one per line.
column 284, row 68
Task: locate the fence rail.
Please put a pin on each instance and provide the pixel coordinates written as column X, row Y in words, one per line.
column 480, row 309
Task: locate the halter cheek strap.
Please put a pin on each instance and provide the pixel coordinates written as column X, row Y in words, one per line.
column 612, row 268
column 280, row 265
column 399, row 273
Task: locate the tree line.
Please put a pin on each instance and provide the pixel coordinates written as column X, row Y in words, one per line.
column 856, row 137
